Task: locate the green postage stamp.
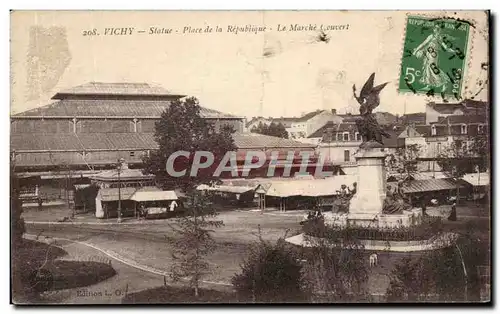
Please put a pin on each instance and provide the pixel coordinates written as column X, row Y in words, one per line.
column 434, row 56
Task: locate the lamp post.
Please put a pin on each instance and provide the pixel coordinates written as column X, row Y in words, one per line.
column 465, row 271
column 119, row 168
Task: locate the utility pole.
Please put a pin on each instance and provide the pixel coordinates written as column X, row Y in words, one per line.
column 119, row 168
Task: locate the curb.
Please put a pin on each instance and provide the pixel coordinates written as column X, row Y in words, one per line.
column 380, row 245
column 118, row 257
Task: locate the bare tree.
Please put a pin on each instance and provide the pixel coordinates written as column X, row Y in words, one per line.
column 404, row 160
column 194, row 241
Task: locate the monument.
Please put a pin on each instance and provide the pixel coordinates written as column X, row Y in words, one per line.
column 373, row 205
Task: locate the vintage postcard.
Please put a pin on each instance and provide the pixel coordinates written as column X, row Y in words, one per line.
column 165, row 157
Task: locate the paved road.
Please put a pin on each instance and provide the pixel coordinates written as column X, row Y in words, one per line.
column 145, row 243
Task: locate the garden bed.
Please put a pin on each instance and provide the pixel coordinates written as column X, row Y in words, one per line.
column 73, row 274
column 60, row 275
column 32, row 254
column 175, row 295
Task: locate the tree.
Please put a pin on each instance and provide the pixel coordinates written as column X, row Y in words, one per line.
column 271, row 273
column 404, row 160
column 17, row 223
column 336, row 260
column 450, row 272
column 409, row 281
column 21, row 288
column 480, row 149
column 462, row 157
column 194, row 240
column 272, row 129
column 181, row 128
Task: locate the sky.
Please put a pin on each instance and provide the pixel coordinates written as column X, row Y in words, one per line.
column 272, row 73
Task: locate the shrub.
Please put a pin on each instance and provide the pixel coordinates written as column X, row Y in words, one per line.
column 271, row 273
column 450, row 273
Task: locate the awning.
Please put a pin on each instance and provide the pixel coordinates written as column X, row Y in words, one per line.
column 226, row 188
column 111, row 194
column 151, row 196
column 81, row 186
column 429, row 175
column 314, row 188
column 394, row 177
column 477, row 179
column 203, row 187
column 234, row 189
column 261, row 189
column 417, row 186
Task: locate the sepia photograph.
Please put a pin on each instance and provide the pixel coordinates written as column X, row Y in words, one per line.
column 250, row 157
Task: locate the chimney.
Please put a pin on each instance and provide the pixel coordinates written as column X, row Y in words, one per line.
column 334, row 111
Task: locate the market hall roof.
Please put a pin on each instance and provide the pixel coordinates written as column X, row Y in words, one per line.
column 109, row 108
column 130, row 141
column 108, row 100
column 81, row 141
column 116, row 89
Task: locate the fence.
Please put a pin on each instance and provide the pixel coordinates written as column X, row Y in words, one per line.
column 429, row 227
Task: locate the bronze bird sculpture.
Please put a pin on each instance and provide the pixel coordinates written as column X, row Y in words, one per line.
column 369, row 99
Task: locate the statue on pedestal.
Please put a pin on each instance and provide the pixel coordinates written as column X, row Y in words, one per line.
column 395, row 202
column 368, row 126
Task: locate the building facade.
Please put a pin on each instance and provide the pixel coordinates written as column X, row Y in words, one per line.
column 447, row 124
column 339, row 142
column 93, row 125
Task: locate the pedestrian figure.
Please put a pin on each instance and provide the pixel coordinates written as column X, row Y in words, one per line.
column 424, row 208
column 453, row 214
column 40, row 203
column 142, row 211
column 173, row 205
column 373, row 260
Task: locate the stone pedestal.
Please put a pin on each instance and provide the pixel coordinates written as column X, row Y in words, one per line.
column 374, row 221
column 365, row 209
column 371, row 188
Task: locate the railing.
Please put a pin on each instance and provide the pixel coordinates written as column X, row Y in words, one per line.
column 315, row 227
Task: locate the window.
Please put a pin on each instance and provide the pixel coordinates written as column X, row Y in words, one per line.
column 433, row 130
column 480, row 129
column 339, row 137
column 345, row 135
column 358, row 136
column 463, row 129
column 132, row 154
column 347, row 155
